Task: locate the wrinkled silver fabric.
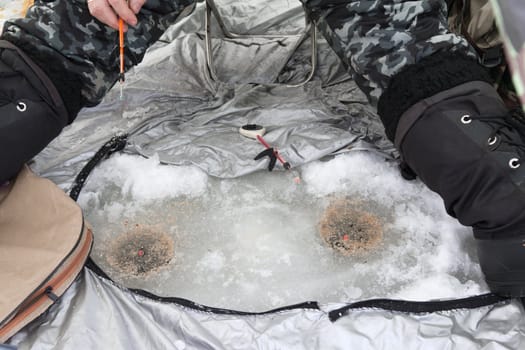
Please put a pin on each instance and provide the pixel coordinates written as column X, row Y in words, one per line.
column 96, row 314
column 174, row 109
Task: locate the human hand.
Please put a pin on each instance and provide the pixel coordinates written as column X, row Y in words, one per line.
column 109, row 11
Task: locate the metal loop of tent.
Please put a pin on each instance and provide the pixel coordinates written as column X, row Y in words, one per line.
column 211, row 9
column 118, row 142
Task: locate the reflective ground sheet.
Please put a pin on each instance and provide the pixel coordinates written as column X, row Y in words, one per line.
column 98, row 314
column 230, row 256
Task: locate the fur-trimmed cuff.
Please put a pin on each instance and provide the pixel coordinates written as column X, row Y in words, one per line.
column 433, row 74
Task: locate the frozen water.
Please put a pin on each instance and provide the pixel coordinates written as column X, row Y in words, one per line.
column 253, row 244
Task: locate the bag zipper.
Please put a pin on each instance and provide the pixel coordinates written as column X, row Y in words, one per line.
column 30, row 305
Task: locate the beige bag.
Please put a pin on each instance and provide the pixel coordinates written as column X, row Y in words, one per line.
column 476, row 21
column 44, row 244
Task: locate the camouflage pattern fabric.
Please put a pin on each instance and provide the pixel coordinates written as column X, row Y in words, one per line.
column 510, row 16
column 66, row 31
column 476, row 19
column 376, row 39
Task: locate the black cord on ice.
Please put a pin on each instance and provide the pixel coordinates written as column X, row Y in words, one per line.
column 117, row 143
column 419, row 307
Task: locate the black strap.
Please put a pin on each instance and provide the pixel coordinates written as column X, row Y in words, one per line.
column 419, row 307
column 117, row 143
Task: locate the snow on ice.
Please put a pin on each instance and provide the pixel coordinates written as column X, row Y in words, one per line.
column 253, row 243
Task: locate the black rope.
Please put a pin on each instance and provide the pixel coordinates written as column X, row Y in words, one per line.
column 117, row 143
column 419, row 307
column 308, row 305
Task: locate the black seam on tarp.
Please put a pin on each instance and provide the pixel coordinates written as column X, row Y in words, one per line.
column 419, row 307
column 117, row 143
column 310, row 305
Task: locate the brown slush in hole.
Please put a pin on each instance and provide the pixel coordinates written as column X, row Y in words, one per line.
column 141, row 251
column 349, row 229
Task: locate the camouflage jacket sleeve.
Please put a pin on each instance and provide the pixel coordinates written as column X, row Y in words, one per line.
column 397, row 51
column 79, row 53
column 377, row 39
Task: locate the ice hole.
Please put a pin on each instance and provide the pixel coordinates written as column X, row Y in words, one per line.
column 256, row 243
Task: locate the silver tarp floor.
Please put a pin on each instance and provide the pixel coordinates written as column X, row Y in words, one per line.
column 175, row 112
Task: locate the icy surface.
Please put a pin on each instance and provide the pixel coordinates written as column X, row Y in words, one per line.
column 252, row 243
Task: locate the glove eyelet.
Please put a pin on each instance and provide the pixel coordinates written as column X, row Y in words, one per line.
column 466, row 119
column 492, row 140
column 514, row 163
column 21, row 106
